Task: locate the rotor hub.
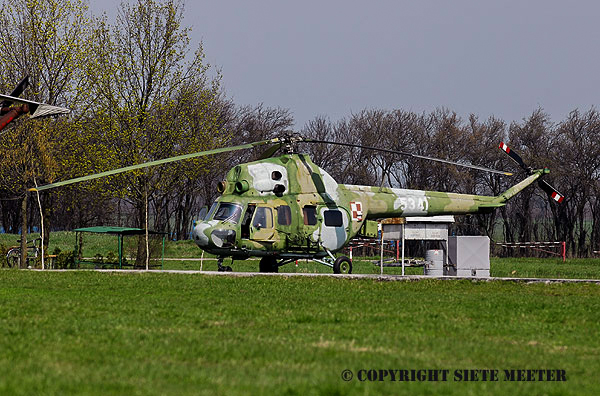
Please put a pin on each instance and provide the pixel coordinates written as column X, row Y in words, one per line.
column 290, row 142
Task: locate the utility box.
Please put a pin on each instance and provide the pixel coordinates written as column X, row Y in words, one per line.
column 469, row 256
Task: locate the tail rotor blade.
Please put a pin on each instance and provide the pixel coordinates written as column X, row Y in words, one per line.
column 515, row 157
column 551, row 191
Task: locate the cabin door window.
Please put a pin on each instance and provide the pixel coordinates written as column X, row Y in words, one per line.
column 262, row 224
column 335, row 227
column 247, row 220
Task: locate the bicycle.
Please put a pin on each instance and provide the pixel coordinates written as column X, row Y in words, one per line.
column 13, row 257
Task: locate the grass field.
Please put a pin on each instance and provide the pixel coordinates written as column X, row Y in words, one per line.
column 83, row 332
column 545, row 268
column 502, row 267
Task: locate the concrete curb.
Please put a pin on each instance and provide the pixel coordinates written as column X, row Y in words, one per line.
column 336, row 276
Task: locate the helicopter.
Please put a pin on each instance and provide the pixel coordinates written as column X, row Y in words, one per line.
column 36, row 109
column 285, row 208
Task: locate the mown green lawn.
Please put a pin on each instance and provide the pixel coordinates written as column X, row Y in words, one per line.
column 83, row 332
column 545, row 268
column 103, row 245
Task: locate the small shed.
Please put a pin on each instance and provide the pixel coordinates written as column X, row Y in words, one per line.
column 426, row 228
column 120, row 232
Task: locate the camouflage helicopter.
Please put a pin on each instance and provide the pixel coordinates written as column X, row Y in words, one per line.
column 286, row 208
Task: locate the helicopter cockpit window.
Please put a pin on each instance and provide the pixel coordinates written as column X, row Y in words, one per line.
column 211, row 211
column 310, row 215
column 284, row 215
column 228, row 212
column 203, row 212
column 333, row 218
column 263, row 218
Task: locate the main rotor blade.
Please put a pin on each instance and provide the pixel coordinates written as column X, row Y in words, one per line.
column 153, row 163
column 308, row 140
column 268, row 153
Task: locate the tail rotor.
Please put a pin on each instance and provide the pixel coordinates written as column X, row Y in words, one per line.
column 552, row 192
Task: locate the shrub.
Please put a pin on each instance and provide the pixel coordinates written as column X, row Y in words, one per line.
column 65, row 260
column 112, row 258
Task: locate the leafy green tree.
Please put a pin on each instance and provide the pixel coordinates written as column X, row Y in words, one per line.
column 153, row 98
column 45, row 40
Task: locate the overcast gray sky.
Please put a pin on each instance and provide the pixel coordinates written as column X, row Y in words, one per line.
column 336, row 57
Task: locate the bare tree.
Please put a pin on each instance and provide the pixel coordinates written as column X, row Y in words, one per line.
column 578, row 157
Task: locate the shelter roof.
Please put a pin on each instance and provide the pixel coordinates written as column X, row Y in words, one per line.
column 117, row 230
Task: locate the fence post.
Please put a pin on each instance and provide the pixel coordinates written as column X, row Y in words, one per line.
column 564, row 251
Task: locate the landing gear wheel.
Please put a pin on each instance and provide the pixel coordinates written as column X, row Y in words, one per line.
column 268, row 264
column 342, row 265
column 221, row 267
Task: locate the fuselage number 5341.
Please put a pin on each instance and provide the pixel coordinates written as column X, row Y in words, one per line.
column 413, row 204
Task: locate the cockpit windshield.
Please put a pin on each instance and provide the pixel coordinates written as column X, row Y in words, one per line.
column 228, row 212
column 211, row 211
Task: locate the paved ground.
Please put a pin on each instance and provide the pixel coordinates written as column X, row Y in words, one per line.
column 339, row 276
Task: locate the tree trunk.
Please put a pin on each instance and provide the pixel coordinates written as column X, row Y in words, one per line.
column 140, row 258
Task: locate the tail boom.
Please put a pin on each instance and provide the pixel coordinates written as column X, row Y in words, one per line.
column 517, row 188
column 381, row 202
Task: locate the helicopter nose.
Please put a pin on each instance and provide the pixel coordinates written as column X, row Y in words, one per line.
column 222, row 237
column 210, row 235
column 200, row 235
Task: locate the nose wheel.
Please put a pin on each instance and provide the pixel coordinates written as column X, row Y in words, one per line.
column 221, row 267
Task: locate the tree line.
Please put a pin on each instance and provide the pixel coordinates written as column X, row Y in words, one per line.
column 139, row 91
column 569, row 148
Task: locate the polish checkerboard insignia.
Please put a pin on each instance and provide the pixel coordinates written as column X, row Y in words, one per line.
column 356, row 209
